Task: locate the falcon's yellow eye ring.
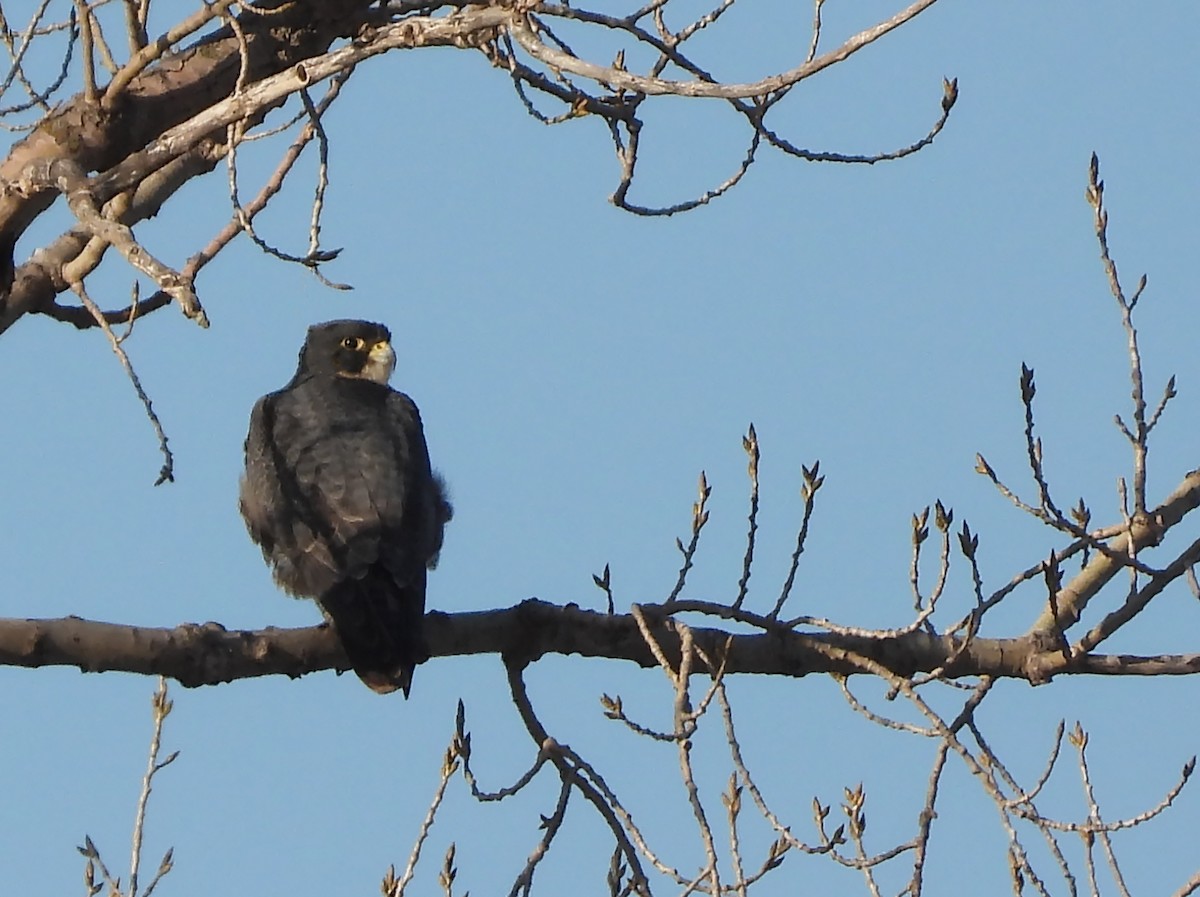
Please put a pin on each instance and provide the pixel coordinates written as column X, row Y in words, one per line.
column 353, row 342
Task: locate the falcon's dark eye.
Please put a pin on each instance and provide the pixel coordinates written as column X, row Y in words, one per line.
column 353, row 342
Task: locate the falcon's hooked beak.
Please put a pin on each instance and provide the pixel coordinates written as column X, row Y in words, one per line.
column 381, row 361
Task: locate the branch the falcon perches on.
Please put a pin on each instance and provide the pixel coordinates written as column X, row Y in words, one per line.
column 339, row 494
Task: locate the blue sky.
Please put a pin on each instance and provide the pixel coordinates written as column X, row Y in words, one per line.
column 576, row 368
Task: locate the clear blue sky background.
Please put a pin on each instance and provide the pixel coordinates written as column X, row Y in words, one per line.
column 577, row 367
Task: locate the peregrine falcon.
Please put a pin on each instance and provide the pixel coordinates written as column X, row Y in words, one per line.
column 339, row 494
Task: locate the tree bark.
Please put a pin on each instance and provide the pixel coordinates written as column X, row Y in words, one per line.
column 209, row 654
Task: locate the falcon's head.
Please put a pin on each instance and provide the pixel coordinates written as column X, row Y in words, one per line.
column 357, row 349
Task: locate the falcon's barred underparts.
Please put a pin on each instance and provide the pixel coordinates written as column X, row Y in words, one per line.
column 339, row 494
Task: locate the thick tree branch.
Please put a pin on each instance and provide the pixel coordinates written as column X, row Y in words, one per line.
column 168, row 99
column 209, row 654
column 425, row 31
column 1147, row 530
column 68, row 178
column 156, row 100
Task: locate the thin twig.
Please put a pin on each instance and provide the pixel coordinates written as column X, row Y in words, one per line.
column 393, row 887
column 162, row 708
column 167, row 473
column 699, row 518
column 89, row 54
column 1139, row 437
column 550, row 826
column 750, row 444
column 808, row 493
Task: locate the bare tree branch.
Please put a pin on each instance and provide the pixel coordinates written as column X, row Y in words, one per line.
column 209, row 654
column 524, row 33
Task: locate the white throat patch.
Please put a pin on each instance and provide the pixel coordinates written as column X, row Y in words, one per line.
column 381, row 361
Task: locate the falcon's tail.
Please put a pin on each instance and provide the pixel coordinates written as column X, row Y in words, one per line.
column 379, row 625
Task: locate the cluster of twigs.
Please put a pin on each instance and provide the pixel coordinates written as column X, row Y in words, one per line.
column 697, row 677
column 521, row 39
column 117, row 121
